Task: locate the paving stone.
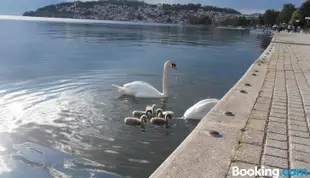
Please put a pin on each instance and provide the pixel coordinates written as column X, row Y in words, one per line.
column 249, row 153
column 294, row 101
column 301, row 148
column 276, row 144
column 276, row 98
column 262, row 107
column 293, row 93
column 275, row 161
column 295, row 110
column 278, row 101
column 279, row 104
column 277, row 119
column 298, row 128
column 300, row 114
column 280, row 115
column 264, row 100
column 257, row 124
column 278, row 110
column 295, row 105
column 276, row 129
column 298, row 123
column 277, row 124
column 298, row 118
column 307, row 109
column 297, row 101
column 282, row 106
column 300, row 164
column 301, row 156
column 259, row 115
column 298, row 133
column 275, row 136
column 267, row 88
column 252, row 136
column 265, row 94
column 293, row 96
column 276, row 152
column 300, row 140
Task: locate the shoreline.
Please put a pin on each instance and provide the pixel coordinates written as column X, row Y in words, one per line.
column 82, row 21
column 94, row 21
column 202, row 154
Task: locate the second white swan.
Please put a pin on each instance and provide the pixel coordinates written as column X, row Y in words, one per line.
column 141, row 89
column 200, row 109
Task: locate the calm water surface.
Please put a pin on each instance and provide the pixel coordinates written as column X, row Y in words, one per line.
column 60, row 115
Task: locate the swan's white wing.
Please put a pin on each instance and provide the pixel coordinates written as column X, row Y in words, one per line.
column 200, row 109
column 206, row 101
column 142, row 89
column 195, row 113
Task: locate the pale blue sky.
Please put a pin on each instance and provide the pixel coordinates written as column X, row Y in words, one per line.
column 17, row 7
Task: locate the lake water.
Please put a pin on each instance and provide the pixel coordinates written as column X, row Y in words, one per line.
column 60, row 115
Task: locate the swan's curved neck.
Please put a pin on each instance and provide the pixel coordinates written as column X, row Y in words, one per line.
column 165, row 81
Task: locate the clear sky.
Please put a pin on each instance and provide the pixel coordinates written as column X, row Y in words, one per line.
column 17, row 7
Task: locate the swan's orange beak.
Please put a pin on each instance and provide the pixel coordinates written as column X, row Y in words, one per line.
column 174, row 68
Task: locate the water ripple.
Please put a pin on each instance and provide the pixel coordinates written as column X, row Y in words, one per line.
column 111, row 151
column 139, row 161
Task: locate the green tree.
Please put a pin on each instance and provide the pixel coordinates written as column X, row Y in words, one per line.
column 297, row 15
column 199, row 20
column 253, row 21
column 305, row 11
column 242, row 21
column 286, row 13
column 305, row 8
column 301, row 13
column 270, row 17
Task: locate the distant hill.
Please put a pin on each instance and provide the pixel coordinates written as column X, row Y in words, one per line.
column 133, row 10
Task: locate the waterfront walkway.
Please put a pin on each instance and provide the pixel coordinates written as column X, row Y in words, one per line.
column 262, row 121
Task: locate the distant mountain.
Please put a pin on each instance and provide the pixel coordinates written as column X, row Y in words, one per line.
column 255, row 14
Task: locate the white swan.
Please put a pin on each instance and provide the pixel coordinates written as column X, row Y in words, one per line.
column 200, row 109
column 144, row 90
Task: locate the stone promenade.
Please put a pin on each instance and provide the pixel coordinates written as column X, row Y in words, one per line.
column 262, row 121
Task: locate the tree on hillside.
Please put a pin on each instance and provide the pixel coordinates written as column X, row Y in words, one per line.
column 205, row 20
column 270, row 17
column 237, row 21
column 286, row 13
column 243, row 21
